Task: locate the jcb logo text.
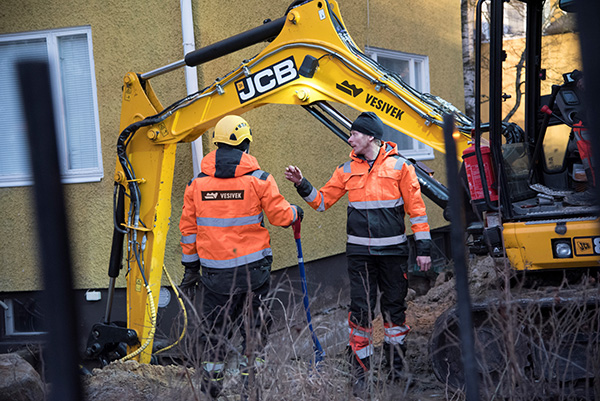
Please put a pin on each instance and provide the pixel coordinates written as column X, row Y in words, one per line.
column 266, row 79
column 586, row 246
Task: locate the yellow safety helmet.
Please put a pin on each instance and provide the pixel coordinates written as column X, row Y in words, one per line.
column 232, row 130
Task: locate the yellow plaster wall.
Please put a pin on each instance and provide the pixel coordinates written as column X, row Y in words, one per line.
column 127, row 35
column 133, row 36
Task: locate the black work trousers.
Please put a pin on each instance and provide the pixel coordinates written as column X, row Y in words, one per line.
column 369, row 273
column 225, row 315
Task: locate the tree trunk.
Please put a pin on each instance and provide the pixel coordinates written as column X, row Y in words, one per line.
column 467, row 9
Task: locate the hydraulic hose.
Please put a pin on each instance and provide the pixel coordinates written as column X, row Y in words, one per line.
column 185, row 319
column 152, row 329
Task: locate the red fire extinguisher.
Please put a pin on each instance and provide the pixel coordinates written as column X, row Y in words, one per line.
column 474, row 174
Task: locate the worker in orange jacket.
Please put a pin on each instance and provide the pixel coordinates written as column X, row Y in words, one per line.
column 382, row 186
column 222, row 231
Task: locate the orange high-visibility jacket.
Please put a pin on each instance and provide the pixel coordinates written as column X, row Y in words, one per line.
column 378, row 197
column 222, row 221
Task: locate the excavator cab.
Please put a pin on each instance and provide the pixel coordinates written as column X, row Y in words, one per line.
column 540, row 329
column 533, row 172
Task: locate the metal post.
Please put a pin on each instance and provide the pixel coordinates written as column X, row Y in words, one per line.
column 457, row 232
column 587, row 21
column 60, row 314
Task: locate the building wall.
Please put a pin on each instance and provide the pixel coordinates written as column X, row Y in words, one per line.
column 133, row 36
column 126, row 37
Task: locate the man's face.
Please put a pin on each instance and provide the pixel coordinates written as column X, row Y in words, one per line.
column 360, row 142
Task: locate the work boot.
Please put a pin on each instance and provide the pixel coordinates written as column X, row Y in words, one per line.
column 212, row 380
column 247, row 370
column 394, row 359
column 359, row 370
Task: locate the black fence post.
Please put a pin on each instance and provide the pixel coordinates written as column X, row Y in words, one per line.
column 457, row 235
column 61, row 356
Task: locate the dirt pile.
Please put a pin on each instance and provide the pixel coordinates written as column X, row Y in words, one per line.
column 131, row 380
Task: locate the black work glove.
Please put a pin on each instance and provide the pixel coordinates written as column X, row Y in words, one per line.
column 300, row 212
column 191, row 278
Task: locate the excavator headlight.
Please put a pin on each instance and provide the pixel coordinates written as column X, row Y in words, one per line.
column 562, row 249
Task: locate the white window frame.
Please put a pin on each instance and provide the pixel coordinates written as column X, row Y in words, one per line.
column 418, row 151
column 9, row 322
column 68, row 176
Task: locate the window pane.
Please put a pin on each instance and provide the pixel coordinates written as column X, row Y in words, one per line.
column 78, row 102
column 68, row 52
column 14, row 155
column 403, row 141
column 401, row 67
column 419, row 78
column 26, row 316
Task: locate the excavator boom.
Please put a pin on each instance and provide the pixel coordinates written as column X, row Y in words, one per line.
column 312, row 59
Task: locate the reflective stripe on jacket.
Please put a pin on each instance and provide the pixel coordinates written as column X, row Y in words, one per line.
column 222, row 220
column 378, row 197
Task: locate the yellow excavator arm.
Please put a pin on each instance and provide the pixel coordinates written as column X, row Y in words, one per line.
column 311, row 61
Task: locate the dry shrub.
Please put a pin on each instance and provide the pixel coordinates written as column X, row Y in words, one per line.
column 537, row 343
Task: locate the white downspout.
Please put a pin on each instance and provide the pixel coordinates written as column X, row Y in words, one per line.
column 191, row 77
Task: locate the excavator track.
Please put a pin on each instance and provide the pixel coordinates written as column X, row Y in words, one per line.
column 526, row 345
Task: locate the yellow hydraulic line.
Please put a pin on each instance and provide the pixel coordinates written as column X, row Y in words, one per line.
column 150, row 337
column 185, row 320
column 153, row 317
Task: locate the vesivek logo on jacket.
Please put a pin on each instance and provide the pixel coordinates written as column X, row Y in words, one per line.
column 222, row 195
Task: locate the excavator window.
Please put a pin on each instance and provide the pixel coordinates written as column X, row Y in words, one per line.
column 555, row 148
column 516, row 164
column 22, row 316
column 562, row 165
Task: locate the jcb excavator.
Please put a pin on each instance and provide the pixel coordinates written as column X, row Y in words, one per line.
column 310, row 60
